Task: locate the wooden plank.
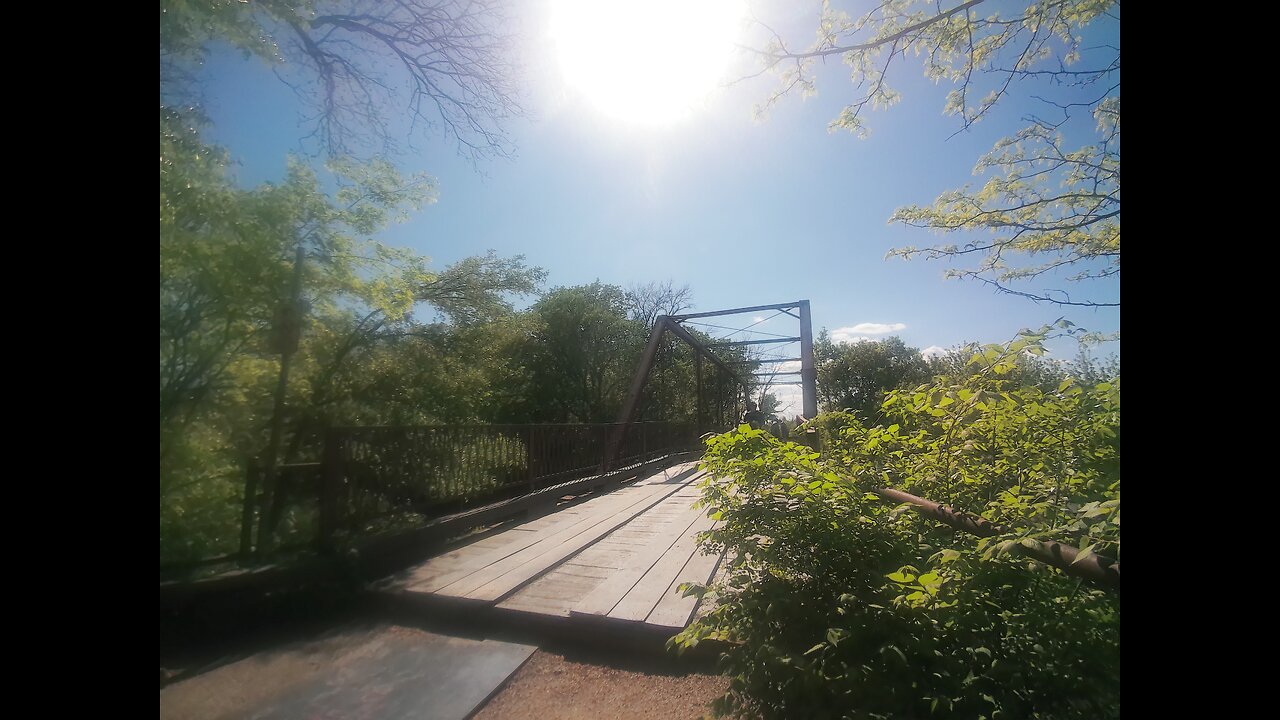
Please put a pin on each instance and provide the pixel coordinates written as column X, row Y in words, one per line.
column 548, row 538
column 572, row 568
column 457, row 557
column 608, row 559
column 444, row 527
column 569, row 523
column 603, row 599
column 669, row 473
column 559, row 590
column 675, row 611
column 551, row 594
column 646, row 593
column 510, row 581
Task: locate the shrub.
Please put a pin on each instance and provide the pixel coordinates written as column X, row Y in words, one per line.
column 837, row 604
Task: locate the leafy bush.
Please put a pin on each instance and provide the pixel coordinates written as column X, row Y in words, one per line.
column 837, row 604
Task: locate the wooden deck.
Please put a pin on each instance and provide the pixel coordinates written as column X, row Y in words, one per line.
column 615, row 559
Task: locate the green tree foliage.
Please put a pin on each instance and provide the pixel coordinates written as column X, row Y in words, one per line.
column 1029, row 369
column 227, row 259
column 856, row 376
column 837, row 604
column 584, row 346
column 1050, row 209
column 583, row 351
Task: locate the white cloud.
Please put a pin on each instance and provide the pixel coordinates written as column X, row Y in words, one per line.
column 860, row 332
column 933, row 351
column 842, row 336
column 876, row 328
column 758, row 319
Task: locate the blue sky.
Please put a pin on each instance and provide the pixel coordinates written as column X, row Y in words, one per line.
column 744, row 211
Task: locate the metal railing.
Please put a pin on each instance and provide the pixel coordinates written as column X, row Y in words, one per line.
column 372, row 479
column 394, row 476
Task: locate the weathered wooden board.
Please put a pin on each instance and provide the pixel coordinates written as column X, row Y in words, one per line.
column 649, row 590
column 674, row 611
column 568, row 524
column 617, row 557
column 606, row 595
column 537, row 562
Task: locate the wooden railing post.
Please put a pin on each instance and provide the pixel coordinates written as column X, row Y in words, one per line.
column 247, row 513
column 644, row 443
column 529, row 458
column 332, row 475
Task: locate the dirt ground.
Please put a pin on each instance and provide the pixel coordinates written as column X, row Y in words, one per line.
column 552, row 686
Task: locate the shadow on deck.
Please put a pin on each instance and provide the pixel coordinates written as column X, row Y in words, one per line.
column 608, row 567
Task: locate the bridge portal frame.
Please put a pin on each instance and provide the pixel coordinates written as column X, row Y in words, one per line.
column 798, row 309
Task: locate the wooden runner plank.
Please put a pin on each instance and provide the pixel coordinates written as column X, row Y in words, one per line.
column 606, row 595
column 667, row 474
column 458, row 557
column 569, row 523
column 551, row 594
column 508, row 582
column 552, row 537
column 465, row 563
column 673, row 610
column 648, row 591
column 604, row 558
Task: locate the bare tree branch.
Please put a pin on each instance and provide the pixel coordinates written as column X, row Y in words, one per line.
column 368, row 72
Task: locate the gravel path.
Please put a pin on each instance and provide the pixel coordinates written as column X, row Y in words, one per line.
column 551, row 686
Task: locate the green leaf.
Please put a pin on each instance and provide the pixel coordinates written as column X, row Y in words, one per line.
column 1085, row 553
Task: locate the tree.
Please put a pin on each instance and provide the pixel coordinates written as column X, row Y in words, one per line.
column 856, row 376
column 279, row 314
column 361, row 66
column 646, row 302
column 1048, row 212
column 582, row 353
column 229, row 258
column 834, row 603
column 1025, row 370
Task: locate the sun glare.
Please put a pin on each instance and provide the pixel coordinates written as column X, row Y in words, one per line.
column 647, row 62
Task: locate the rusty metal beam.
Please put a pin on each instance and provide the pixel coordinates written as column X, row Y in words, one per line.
column 766, row 361
column 1095, row 568
column 809, row 372
column 697, row 379
column 682, row 333
column 625, row 417
column 627, row 414
column 736, row 311
column 737, row 343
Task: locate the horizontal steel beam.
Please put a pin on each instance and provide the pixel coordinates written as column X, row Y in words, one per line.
column 767, row 360
column 679, row 331
column 736, row 311
column 780, row 372
column 738, row 343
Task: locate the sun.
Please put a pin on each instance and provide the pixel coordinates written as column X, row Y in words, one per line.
column 650, row 63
